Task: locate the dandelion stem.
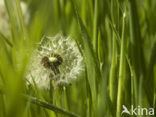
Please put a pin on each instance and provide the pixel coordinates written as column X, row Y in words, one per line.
column 51, row 91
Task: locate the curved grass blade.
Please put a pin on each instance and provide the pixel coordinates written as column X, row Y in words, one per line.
column 49, row 106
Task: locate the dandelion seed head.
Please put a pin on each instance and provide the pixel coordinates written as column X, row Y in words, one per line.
column 70, row 66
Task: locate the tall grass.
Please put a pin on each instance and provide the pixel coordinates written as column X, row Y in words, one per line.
column 117, row 39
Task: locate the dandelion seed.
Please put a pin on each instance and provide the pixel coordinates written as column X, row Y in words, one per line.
column 58, row 58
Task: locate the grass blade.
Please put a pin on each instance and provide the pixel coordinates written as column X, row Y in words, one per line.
column 49, row 106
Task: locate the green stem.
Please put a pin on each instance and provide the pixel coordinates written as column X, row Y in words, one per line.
column 121, row 71
column 51, row 91
column 95, row 25
column 113, row 78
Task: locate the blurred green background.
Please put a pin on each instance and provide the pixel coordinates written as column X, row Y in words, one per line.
column 117, row 39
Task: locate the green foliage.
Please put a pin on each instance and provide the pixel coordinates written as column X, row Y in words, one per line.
column 117, row 40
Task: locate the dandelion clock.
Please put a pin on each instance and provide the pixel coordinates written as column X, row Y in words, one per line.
column 57, row 59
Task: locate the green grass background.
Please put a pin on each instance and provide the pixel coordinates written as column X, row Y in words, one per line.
column 118, row 43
